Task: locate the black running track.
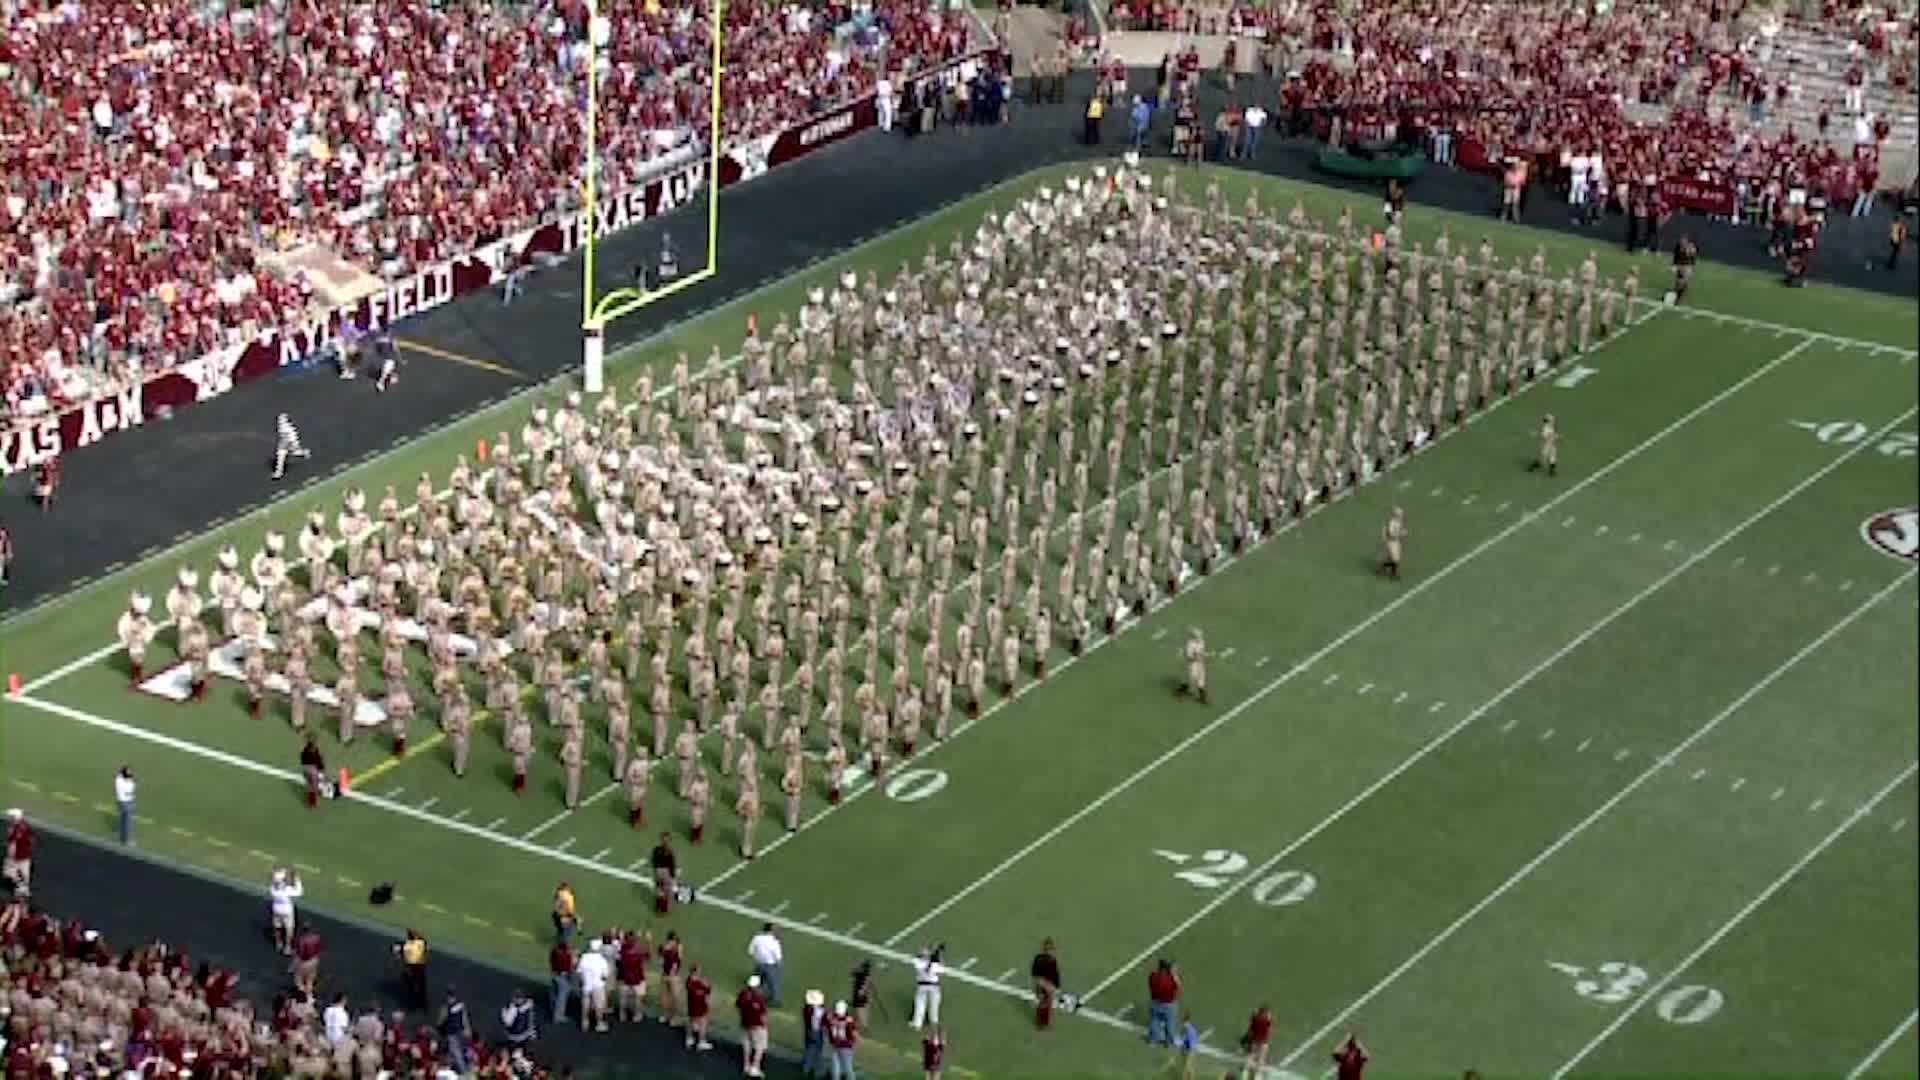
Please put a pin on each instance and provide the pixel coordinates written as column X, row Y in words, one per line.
column 139, row 490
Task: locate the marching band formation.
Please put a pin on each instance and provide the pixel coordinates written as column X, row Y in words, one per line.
column 894, row 513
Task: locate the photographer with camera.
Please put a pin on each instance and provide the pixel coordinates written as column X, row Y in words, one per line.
column 927, row 970
column 861, row 993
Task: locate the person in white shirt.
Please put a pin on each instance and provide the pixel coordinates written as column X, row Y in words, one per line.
column 123, row 788
column 767, row 955
column 336, row 1021
column 1255, row 119
column 593, row 970
column 883, row 102
column 927, row 970
column 282, row 891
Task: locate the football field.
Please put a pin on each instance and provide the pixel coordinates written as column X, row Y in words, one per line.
column 1618, row 778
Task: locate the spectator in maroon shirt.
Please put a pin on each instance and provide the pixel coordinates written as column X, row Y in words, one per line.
column 560, row 963
column 1163, row 993
column 1350, row 1058
column 1258, row 1038
column 752, row 1005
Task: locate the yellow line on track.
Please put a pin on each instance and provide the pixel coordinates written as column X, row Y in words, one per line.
column 460, row 358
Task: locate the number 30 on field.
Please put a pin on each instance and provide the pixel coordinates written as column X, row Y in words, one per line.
column 1616, row 981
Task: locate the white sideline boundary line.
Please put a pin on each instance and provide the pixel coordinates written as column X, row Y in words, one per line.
column 1740, row 916
column 1659, row 763
column 627, row 875
column 1884, row 1045
column 1418, row 589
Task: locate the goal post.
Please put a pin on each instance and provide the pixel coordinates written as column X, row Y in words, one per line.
column 598, row 312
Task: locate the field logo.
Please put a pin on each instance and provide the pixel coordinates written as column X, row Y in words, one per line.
column 1895, row 533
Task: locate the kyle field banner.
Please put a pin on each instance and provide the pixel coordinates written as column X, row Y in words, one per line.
column 28, row 443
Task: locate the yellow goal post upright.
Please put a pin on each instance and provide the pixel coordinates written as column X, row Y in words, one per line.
column 598, row 312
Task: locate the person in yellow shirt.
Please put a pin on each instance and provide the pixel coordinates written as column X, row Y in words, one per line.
column 1096, row 108
column 566, row 915
column 413, row 967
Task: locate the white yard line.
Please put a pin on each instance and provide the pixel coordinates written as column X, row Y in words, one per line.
column 1660, row 763
column 1494, row 702
column 1893, row 1036
column 1739, row 917
column 1419, row 588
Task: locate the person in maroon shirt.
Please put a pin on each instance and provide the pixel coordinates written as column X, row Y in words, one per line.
column 1350, row 1058
column 1258, row 1038
column 699, row 1009
column 752, row 1006
column 631, row 969
column 18, row 866
column 560, row 963
column 843, row 1034
column 933, row 1052
column 306, row 960
column 1163, row 991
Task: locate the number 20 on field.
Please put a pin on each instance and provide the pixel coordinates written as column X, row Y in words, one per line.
column 1218, row 869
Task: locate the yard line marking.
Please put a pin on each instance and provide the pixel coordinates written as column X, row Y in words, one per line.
column 547, row 824
column 1605, row 808
column 1404, row 598
column 428, row 805
column 1739, row 917
column 460, row 814
column 1738, row 783
column 495, row 823
column 1582, row 748
column 1894, row 1036
column 602, row 853
column 1815, row 805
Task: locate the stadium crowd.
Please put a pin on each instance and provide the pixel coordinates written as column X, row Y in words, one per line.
column 70, row 1005
column 153, row 151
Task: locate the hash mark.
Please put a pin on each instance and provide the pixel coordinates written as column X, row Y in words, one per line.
column 1774, row 570
column 1365, row 688
column 856, row 928
column 967, row 964
column 1622, row 755
column 1437, row 492
column 1582, row 748
column 1511, row 723
column 602, row 853
column 1227, row 652
column 745, row 896
column 1468, row 501
column 1815, row 806
column 395, row 793
column 1402, row 697
column 1502, row 508
column 1436, row 706
column 1332, row 677
column 817, row 919
column 779, row 907
column 1698, row 773
column 1262, row 662
column 1567, row 524
column 1007, row 974
column 461, row 813
column 1738, row 783
column 1670, row 545
column 1158, row 634
column 1847, row 585
column 1123, row 1011
column 1777, row 792
column 1898, row 825
column 496, row 823
column 637, row 863
column 1547, row 734
column 1634, row 539
column 1811, row 577
column 1601, row 531
column 428, row 805
column 1738, row 562
column 567, row 843
column 1405, row 484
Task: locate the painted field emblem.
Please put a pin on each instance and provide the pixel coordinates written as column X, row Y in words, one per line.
column 1895, row 532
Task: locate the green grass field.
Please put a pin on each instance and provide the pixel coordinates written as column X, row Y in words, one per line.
column 1620, row 778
